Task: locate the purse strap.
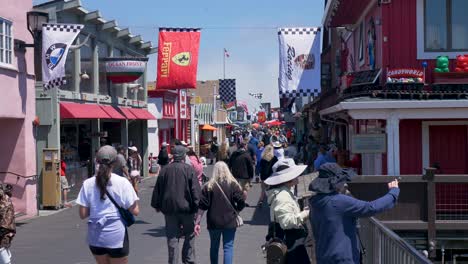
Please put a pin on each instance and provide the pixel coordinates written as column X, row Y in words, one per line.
column 274, row 218
column 113, row 201
column 226, row 198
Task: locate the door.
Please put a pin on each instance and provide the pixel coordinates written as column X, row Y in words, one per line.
column 448, row 152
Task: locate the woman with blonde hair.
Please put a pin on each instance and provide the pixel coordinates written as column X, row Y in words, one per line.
column 266, row 169
column 223, row 198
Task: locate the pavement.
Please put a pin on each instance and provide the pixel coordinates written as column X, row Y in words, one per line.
column 60, row 237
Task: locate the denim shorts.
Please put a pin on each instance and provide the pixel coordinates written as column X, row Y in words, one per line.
column 5, row 256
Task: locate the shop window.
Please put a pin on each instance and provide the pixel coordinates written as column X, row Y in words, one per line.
column 6, row 42
column 103, row 52
column 445, row 25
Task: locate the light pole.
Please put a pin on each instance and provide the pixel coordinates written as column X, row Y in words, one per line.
column 35, row 20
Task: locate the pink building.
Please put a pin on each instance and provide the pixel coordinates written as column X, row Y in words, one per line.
column 17, row 107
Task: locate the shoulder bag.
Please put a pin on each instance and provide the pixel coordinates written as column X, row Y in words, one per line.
column 275, row 248
column 239, row 220
column 127, row 216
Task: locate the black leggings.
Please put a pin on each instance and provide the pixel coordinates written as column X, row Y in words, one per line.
column 113, row 252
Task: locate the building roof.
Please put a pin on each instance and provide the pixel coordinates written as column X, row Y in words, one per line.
column 75, row 6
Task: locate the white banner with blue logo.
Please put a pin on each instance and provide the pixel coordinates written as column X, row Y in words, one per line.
column 56, row 41
column 299, row 74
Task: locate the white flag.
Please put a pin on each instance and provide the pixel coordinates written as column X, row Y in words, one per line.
column 56, row 41
column 299, row 62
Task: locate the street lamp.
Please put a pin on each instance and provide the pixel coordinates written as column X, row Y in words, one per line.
column 35, row 21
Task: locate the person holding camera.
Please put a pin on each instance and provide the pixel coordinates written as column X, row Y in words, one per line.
column 334, row 215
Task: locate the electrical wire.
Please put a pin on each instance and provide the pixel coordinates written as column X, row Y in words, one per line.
column 18, row 175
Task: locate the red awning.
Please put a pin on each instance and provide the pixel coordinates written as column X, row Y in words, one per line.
column 82, row 111
column 112, row 112
column 127, row 113
column 142, row 114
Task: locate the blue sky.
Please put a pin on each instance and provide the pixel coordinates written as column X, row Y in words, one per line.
column 246, row 28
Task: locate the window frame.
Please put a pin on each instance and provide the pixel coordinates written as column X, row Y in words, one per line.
column 3, row 49
column 448, row 7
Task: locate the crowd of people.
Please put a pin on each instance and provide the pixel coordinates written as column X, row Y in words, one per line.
column 184, row 195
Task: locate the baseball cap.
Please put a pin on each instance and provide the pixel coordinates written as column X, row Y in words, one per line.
column 106, row 154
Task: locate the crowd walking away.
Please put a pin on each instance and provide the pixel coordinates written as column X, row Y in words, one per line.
column 185, row 195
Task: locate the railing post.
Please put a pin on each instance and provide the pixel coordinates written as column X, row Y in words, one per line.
column 431, row 212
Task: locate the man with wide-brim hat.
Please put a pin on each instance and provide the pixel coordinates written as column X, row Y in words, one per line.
column 333, row 214
column 287, row 218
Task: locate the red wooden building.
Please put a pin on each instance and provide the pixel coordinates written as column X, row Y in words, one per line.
column 381, row 96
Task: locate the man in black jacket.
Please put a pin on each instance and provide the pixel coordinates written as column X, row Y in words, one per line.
column 241, row 166
column 177, row 194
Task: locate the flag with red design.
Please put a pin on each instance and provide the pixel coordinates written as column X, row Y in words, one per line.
column 177, row 58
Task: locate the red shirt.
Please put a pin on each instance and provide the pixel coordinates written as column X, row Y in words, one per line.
column 63, row 168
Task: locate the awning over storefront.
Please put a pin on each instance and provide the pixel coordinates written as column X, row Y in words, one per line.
column 82, row 111
column 142, row 114
column 127, row 112
column 112, row 112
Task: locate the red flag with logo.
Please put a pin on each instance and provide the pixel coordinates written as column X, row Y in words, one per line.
column 177, row 58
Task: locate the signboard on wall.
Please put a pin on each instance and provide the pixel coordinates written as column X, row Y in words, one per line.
column 369, row 143
column 125, row 70
column 183, row 104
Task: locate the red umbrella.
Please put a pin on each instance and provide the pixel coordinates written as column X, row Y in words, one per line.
column 275, row 123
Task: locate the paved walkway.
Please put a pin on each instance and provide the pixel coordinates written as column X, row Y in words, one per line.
column 61, row 237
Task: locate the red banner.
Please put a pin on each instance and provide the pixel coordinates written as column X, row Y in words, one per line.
column 177, row 58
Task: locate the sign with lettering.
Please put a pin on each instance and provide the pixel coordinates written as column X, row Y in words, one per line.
column 177, row 58
column 183, row 104
column 369, row 143
column 125, row 70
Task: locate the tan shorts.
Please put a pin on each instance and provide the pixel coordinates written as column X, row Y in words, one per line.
column 245, row 184
column 64, row 183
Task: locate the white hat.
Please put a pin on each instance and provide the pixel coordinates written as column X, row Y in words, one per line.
column 133, row 148
column 164, row 144
column 184, row 143
column 285, row 170
column 276, row 144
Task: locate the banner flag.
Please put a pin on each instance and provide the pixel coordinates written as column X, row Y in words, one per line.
column 227, row 90
column 56, row 41
column 230, row 106
column 178, row 58
column 299, row 62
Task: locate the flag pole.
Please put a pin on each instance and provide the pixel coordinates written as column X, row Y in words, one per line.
column 224, row 64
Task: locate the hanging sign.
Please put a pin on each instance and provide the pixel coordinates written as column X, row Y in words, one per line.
column 261, row 117
column 183, row 104
column 177, row 58
column 125, row 70
column 299, row 74
column 56, row 41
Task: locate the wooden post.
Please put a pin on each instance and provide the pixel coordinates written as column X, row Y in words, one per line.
column 431, row 212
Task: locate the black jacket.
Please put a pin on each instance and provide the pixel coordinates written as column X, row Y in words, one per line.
column 241, row 165
column 163, row 157
column 266, row 168
column 177, row 190
column 220, row 214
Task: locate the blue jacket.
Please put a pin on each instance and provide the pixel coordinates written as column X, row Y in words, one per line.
column 333, row 217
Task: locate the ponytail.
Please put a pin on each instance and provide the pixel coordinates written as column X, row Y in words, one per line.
column 102, row 178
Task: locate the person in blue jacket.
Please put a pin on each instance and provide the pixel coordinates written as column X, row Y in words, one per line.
column 333, row 215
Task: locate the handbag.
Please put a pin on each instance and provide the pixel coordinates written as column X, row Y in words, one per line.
column 127, row 217
column 239, row 220
column 275, row 248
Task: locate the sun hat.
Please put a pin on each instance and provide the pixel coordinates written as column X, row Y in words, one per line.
column 276, row 144
column 330, row 176
column 164, row 144
column 133, row 148
column 106, row 154
column 184, row 143
column 284, row 171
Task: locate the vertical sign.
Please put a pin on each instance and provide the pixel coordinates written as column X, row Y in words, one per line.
column 183, row 104
column 299, row 62
column 177, row 58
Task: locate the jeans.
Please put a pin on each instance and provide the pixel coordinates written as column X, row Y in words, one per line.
column 228, row 244
column 177, row 226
